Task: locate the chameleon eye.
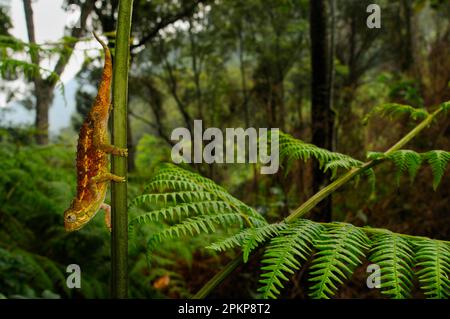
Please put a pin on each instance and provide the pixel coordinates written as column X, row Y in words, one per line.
column 71, row 218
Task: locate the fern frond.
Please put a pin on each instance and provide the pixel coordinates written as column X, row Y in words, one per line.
column 230, row 242
column 394, row 255
column 249, row 239
column 170, row 177
column 433, row 257
column 334, row 165
column 10, row 66
column 408, row 160
column 185, row 209
column 259, row 234
column 339, row 252
column 171, row 197
column 197, row 225
column 392, row 110
column 295, row 149
column 438, row 161
column 285, row 254
column 197, row 202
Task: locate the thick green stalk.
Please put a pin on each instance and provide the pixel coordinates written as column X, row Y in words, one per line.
column 119, row 238
column 316, row 198
column 218, row 278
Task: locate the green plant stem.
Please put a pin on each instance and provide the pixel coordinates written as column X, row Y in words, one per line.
column 318, row 197
column 218, row 278
column 326, row 191
column 119, row 238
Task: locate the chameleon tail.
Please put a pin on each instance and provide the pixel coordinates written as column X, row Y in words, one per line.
column 103, row 95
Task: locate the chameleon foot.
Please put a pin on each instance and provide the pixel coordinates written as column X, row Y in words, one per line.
column 121, row 152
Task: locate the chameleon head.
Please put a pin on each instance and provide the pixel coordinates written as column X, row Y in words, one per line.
column 73, row 220
column 80, row 213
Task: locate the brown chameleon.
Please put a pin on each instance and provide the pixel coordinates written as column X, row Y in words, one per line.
column 92, row 160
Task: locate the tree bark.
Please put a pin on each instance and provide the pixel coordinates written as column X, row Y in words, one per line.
column 408, row 58
column 322, row 114
column 44, row 88
column 42, row 100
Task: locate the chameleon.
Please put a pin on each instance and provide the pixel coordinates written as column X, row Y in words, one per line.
column 92, row 162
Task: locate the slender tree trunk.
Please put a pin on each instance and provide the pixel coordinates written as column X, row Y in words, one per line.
column 322, row 115
column 44, row 88
column 196, row 70
column 243, row 76
column 408, row 58
column 43, row 99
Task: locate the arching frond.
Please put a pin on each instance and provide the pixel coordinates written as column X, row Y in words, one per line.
column 392, row 110
column 259, row 234
column 433, row 259
column 249, row 239
column 195, row 203
column 294, row 149
column 408, row 160
column 438, row 161
column 394, row 255
column 198, row 224
column 339, row 251
column 170, row 177
column 172, row 198
column 285, row 254
column 183, row 210
column 191, row 204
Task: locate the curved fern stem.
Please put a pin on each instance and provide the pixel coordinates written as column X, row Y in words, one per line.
column 325, row 192
column 218, row 278
column 322, row 194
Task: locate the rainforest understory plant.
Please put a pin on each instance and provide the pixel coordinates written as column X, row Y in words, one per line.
column 189, row 205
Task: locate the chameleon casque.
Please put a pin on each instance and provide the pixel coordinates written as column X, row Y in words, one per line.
column 92, row 161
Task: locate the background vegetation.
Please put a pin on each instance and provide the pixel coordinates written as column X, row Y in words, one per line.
column 232, row 64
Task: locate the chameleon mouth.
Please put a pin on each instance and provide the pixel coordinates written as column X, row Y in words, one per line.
column 70, row 227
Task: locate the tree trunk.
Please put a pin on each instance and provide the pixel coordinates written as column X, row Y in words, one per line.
column 408, row 58
column 43, row 100
column 44, row 88
column 322, row 115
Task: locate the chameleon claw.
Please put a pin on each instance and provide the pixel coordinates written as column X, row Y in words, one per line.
column 116, row 178
column 121, row 152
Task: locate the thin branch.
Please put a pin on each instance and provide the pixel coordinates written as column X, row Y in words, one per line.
column 76, row 33
column 172, row 84
column 158, row 127
column 186, row 11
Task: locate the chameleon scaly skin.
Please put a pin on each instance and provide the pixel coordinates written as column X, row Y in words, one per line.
column 92, row 157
